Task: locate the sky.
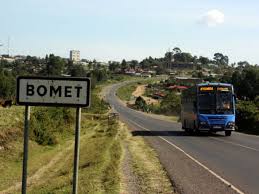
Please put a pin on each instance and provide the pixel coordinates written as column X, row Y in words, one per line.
column 134, row 29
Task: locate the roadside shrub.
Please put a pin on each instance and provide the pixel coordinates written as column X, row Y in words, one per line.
column 247, row 117
column 171, row 104
column 141, row 104
column 98, row 106
column 7, row 84
column 257, row 101
column 49, row 123
column 154, row 108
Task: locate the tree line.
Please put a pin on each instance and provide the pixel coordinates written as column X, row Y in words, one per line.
column 51, row 65
column 176, row 55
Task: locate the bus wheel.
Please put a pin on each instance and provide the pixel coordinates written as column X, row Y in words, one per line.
column 228, row 133
column 195, row 129
column 184, row 124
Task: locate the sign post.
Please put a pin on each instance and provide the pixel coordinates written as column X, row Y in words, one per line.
column 52, row 91
column 25, row 148
column 76, row 152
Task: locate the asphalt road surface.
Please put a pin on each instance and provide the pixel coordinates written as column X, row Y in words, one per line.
column 196, row 164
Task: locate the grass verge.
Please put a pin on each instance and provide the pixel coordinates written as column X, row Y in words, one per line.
column 50, row 168
column 149, row 175
column 125, row 92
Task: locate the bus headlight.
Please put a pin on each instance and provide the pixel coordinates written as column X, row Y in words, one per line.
column 231, row 124
column 203, row 123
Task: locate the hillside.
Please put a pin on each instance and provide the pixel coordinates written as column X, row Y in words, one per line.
column 109, row 155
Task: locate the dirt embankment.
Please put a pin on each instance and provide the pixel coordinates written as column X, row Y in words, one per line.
column 140, row 91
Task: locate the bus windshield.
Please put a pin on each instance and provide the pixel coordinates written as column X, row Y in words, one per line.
column 216, row 101
column 224, row 103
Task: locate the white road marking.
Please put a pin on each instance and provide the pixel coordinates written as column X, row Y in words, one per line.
column 236, row 144
column 196, row 161
column 254, row 136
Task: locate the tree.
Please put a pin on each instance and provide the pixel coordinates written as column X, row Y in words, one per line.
column 7, row 84
column 55, row 65
column 94, row 64
column 195, row 59
column 100, row 75
column 90, row 65
column 177, row 50
column 133, row 64
column 78, row 71
column 242, row 64
column 124, row 64
column 113, row 65
column 204, row 60
column 183, row 57
column 246, row 82
column 220, row 59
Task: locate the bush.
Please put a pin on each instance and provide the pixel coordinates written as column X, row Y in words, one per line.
column 155, row 108
column 48, row 123
column 257, row 101
column 98, row 106
column 141, row 104
column 171, row 104
column 7, row 85
column 247, row 117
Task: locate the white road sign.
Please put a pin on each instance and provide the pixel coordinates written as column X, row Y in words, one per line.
column 53, row 91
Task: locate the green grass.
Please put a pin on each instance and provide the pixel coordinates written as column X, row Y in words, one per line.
column 98, row 170
column 98, row 105
column 146, row 167
column 125, row 92
column 50, row 168
column 11, row 118
column 99, row 167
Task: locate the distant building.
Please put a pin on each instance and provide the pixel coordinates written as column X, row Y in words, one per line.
column 74, row 55
column 8, row 58
column 177, row 88
column 187, row 80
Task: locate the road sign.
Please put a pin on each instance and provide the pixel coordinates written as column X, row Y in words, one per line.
column 53, row 91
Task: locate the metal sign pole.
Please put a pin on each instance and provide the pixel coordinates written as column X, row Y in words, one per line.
column 25, row 148
column 76, row 151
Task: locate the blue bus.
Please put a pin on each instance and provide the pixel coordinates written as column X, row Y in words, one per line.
column 208, row 107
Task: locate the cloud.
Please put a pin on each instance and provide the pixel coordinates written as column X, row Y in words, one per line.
column 213, row 18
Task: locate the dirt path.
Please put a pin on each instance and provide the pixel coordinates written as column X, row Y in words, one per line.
column 140, row 90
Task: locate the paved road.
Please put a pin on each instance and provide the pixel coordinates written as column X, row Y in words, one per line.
column 197, row 164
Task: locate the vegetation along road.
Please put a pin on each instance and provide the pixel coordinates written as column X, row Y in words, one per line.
column 196, row 164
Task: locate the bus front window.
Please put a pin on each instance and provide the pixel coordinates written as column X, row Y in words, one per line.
column 224, row 103
column 207, row 103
